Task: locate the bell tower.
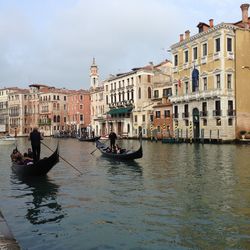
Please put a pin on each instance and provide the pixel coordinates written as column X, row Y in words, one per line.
column 94, row 76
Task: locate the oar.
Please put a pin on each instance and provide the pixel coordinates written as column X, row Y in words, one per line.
column 96, row 149
column 62, row 158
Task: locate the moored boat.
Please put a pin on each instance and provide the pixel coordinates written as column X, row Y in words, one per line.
column 7, row 139
column 89, row 138
column 124, row 155
column 40, row 168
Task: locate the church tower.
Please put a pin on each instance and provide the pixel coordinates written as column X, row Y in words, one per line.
column 94, row 76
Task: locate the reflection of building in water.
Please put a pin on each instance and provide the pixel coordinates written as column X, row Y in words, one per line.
column 44, row 207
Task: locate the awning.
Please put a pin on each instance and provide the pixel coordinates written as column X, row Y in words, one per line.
column 118, row 111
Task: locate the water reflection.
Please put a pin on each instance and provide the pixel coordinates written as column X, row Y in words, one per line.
column 117, row 167
column 43, row 208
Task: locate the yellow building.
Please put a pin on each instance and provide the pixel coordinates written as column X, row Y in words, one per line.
column 211, row 80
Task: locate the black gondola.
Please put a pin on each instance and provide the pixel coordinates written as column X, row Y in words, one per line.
column 93, row 139
column 40, row 168
column 124, row 155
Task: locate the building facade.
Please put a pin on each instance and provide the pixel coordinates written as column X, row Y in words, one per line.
column 209, row 88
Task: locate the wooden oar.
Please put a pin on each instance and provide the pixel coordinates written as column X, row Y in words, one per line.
column 63, row 158
column 96, row 149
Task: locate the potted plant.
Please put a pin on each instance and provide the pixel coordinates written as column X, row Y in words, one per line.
column 243, row 133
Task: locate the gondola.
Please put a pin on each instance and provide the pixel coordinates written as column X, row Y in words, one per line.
column 93, row 139
column 124, row 155
column 40, row 168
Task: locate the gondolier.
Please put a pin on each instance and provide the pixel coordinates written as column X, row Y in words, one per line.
column 35, row 138
column 112, row 138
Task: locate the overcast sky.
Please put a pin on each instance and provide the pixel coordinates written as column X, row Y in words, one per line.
column 53, row 42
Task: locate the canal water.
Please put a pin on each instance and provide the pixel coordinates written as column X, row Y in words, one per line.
column 178, row 196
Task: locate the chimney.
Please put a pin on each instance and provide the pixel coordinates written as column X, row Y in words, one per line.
column 211, row 23
column 244, row 8
column 187, row 34
column 181, row 37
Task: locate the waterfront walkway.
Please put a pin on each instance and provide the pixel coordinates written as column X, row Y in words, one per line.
column 7, row 241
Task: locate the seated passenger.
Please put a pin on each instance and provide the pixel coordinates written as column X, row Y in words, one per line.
column 30, row 153
column 27, row 160
column 16, row 157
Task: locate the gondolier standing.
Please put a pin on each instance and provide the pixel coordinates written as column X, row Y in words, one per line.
column 35, row 138
column 112, row 138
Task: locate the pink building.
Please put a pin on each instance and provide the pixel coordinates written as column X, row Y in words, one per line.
column 79, row 112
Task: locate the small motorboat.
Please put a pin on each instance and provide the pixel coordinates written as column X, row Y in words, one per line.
column 7, row 140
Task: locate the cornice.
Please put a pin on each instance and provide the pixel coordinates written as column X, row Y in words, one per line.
column 203, row 34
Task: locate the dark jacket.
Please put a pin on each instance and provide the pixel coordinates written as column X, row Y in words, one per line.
column 35, row 138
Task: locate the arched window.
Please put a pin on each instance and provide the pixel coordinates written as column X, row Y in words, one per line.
column 149, row 92
column 54, row 118
column 139, row 93
column 58, row 118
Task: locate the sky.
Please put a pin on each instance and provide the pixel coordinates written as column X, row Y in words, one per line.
column 53, row 42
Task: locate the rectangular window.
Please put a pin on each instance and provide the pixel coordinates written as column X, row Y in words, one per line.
column 230, row 122
column 175, row 60
column 204, row 122
column 176, row 89
column 217, row 45
column 143, row 118
column 204, row 49
column 135, row 118
column 156, row 93
column 186, row 56
column 151, row 118
column 81, row 117
column 205, row 83
column 229, row 44
column 166, row 113
column 195, row 53
column 186, row 87
column 149, row 78
column 229, row 81
column 158, row 114
column 218, row 81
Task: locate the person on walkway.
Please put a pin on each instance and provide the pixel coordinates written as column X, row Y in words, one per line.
column 112, row 138
column 35, row 138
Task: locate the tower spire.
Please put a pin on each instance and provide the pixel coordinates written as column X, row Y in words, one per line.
column 94, row 76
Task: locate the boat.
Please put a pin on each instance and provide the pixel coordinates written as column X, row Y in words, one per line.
column 40, row 168
column 7, row 140
column 96, row 138
column 124, row 155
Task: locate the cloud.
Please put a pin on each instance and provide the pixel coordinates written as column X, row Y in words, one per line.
column 54, row 42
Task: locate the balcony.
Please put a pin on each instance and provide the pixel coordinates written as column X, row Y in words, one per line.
column 230, row 55
column 204, row 60
column 175, row 115
column 217, row 112
column 185, row 115
column 231, row 112
column 217, row 56
column 203, row 113
column 44, row 122
column 14, row 114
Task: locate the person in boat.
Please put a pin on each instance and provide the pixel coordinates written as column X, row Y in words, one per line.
column 26, row 159
column 16, row 157
column 112, row 138
column 30, row 153
column 35, row 138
